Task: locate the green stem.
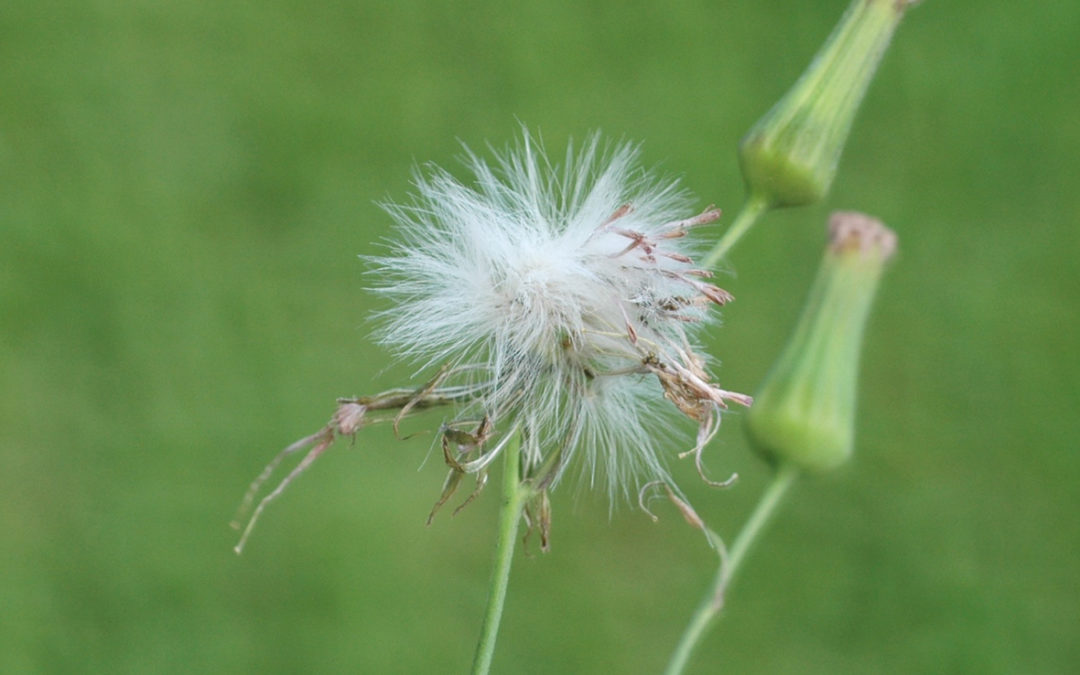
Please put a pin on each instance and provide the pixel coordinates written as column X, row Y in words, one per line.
column 754, row 207
column 515, row 494
column 713, row 601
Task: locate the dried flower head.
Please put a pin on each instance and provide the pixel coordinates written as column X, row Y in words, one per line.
column 554, row 295
column 554, row 305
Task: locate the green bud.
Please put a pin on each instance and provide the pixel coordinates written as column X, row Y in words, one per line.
column 789, row 157
column 804, row 413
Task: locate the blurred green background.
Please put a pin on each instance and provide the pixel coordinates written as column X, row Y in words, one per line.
column 185, row 188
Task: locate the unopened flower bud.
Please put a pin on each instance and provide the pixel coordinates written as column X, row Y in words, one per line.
column 804, row 413
column 789, row 157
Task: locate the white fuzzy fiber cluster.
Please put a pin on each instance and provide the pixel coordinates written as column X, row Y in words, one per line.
column 554, row 294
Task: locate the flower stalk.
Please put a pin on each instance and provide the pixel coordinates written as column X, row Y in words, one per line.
column 713, row 601
column 755, row 206
column 515, row 495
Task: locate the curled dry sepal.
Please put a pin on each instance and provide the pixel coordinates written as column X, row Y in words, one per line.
column 557, row 306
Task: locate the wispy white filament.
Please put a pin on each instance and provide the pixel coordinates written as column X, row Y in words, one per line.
column 562, row 295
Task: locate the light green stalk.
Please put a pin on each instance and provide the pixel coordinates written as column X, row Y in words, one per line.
column 713, row 602
column 752, row 210
column 515, row 494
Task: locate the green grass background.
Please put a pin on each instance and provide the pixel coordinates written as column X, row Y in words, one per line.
column 184, row 188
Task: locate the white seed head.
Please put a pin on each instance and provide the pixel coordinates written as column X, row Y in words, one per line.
column 564, row 298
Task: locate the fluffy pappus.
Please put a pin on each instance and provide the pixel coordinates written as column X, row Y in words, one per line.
column 564, row 300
